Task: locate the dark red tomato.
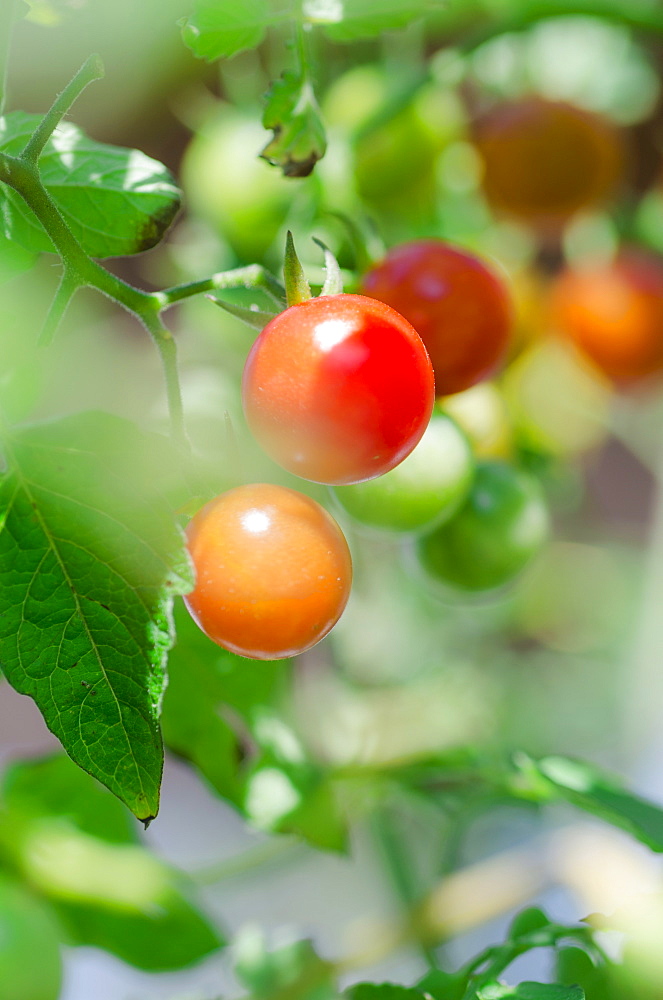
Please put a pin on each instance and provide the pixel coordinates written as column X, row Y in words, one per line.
column 545, row 160
column 614, row 313
column 459, row 307
column 338, row 389
column 273, row 571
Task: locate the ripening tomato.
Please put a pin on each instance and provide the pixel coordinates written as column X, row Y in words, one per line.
column 459, row 307
column 614, row 313
column 338, row 389
column 427, row 487
column 501, row 526
column 545, row 160
column 273, row 571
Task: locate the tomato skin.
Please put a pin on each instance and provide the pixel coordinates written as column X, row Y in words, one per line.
column 273, row 571
column 338, row 389
column 424, row 490
column 614, row 313
column 502, row 525
column 458, row 306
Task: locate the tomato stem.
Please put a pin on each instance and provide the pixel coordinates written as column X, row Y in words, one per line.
column 92, row 69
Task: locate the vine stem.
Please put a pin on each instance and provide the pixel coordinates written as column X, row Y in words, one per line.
column 253, row 276
column 67, row 288
column 92, row 69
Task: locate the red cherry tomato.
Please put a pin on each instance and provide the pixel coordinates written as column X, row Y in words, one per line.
column 338, row 389
column 273, row 571
column 457, row 305
column 614, row 313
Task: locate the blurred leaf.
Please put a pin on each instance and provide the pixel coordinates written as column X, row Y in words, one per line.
column 30, row 938
column 71, row 839
column 54, row 786
column 443, row 985
column 293, row 114
column 382, row 991
column 575, row 966
column 295, row 970
column 211, row 701
column 527, row 922
column 348, row 20
column 90, row 559
column 13, row 259
column 597, row 793
column 116, row 201
column 530, row 991
column 219, row 29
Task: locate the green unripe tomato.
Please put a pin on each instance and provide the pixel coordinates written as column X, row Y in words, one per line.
column 426, row 489
column 30, row 963
column 226, row 182
column 501, row 526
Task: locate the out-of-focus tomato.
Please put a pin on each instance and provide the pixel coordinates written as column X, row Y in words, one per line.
column 614, row 313
column 457, row 304
column 425, row 489
column 498, row 530
column 545, row 160
column 481, row 412
column 226, row 183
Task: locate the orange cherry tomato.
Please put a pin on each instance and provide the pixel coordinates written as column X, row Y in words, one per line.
column 457, row 304
column 545, row 160
column 273, row 571
column 614, row 313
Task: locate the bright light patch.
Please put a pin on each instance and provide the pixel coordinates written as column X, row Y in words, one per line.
column 255, row 521
column 331, row 332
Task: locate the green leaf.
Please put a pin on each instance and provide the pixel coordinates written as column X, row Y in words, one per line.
column 382, row 991
column 442, row 985
column 219, row 29
column 588, row 788
column 575, row 966
column 90, row 559
column 293, row 114
column 30, row 939
column 528, row 922
column 530, row 991
column 347, row 20
column 116, row 201
column 72, row 840
column 295, row 970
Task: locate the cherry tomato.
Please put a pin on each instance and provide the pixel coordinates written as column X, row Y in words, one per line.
column 502, row 525
column 545, row 160
column 30, row 962
column 614, row 313
column 338, row 389
column 457, row 305
column 425, row 489
column 273, row 571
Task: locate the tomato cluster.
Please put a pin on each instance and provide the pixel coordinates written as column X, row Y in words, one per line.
column 339, row 389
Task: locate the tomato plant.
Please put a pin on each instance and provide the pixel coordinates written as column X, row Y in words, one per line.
column 493, row 536
column 614, row 313
column 457, row 304
column 273, row 571
column 338, row 389
column 426, row 488
column 460, row 700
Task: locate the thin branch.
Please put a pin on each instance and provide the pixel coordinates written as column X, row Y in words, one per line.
column 253, row 276
column 92, row 69
column 167, row 348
